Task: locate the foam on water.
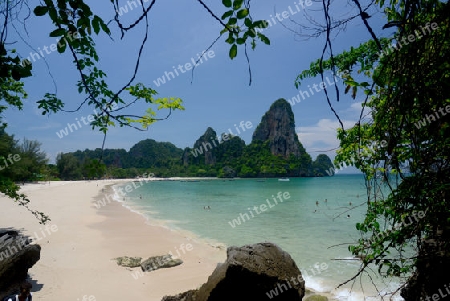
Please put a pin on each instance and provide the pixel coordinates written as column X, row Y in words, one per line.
column 317, row 284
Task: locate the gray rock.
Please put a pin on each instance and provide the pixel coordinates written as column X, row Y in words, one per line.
column 185, row 156
column 16, row 257
column 228, row 172
column 278, row 127
column 159, row 262
column 205, row 143
column 251, row 272
column 186, row 296
column 130, row 262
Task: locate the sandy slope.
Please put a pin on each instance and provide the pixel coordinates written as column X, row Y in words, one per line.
column 81, row 240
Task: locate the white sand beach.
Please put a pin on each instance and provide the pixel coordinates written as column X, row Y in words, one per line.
column 80, row 241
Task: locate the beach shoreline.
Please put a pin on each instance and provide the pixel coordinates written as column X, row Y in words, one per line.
column 194, row 237
column 89, row 237
column 77, row 258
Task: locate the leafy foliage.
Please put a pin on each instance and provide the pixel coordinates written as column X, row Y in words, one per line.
column 231, row 158
column 240, row 26
column 321, row 165
column 20, row 162
column 76, row 26
column 408, row 175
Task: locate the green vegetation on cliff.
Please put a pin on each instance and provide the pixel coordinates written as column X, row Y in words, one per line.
column 275, row 151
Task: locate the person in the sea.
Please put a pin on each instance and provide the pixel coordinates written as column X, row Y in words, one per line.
column 24, row 293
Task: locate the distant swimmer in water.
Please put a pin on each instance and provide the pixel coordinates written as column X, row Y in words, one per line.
column 325, row 200
column 348, row 215
column 206, row 207
column 140, row 196
column 317, row 203
column 350, row 203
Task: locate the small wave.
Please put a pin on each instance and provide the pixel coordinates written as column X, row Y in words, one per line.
column 116, row 196
column 345, row 294
column 346, row 258
column 171, row 225
column 317, row 284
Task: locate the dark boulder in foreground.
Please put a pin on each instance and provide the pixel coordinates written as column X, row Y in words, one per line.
column 16, row 257
column 251, row 272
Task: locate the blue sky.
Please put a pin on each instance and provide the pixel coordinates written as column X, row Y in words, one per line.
column 219, row 95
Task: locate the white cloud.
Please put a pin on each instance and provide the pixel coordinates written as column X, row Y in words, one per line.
column 321, row 136
column 356, row 106
column 49, row 125
column 355, row 109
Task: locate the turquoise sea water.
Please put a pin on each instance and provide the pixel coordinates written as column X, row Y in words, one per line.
column 306, row 230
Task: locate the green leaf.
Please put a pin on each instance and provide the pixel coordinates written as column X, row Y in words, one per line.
column 15, row 74
column 232, row 21
column 230, row 39
column 248, row 22
column 227, row 3
column 62, row 45
column 96, row 24
column 260, row 24
column 62, row 5
column 264, row 38
column 354, row 90
column 227, row 14
column 347, row 89
column 240, row 41
column 105, row 27
column 53, row 14
column 237, row 4
column 50, row 103
column 233, row 51
column 242, row 13
column 58, row 32
column 252, row 33
column 40, row 10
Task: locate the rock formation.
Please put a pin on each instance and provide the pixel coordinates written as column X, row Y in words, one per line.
column 278, row 127
column 185, row 156
column 251, row 272
column 17, row 255
column 206, row 145
column 275, row 151
column 186, row 296
column 129, row 262
column 160, row 262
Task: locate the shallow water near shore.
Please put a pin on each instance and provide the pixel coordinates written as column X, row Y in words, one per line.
column 313, row 219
